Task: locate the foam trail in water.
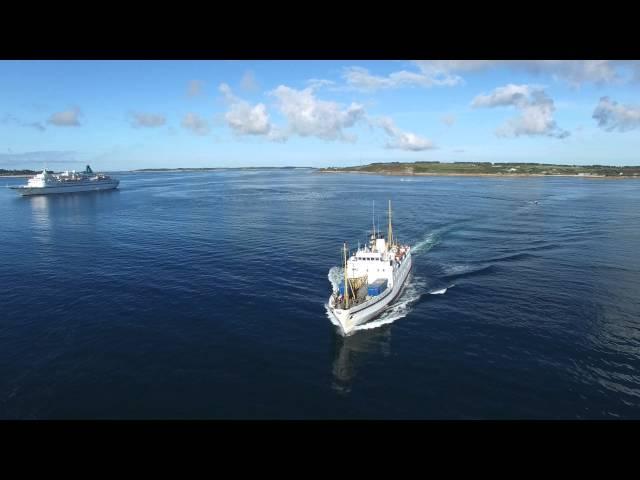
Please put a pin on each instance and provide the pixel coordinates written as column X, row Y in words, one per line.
column 335, row 275
column 426, row 244
column 399, row 309
column 331, row 317
column 459, row 269
column 442, row 290
column 375, row 324
column 463, row 270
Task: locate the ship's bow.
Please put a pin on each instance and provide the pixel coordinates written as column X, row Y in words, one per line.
column 343, row 319
column 21, row 190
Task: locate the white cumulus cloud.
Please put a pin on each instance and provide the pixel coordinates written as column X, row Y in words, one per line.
column 573, row 72
column 195, row 88
column 402, row 140
column 504, row 96
column 195, row 124
column 535, row 111
column 359, row 78
column 242, row 117
column 67, row 118
column 429, row 73
column 317, row 83
column 15, row 120
column 308, row 116
column 612, row 115
column 148, row 120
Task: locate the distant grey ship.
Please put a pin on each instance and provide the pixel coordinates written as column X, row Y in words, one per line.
column 68, row 182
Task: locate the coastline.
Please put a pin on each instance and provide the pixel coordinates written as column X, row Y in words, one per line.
column 212, row 169
column 498, row 175
column 170, row 170
column 360, row 172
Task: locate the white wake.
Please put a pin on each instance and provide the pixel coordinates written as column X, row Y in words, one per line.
column 335, row 275
column 331, row 317
column 400, row 308
column 442, row 290
column 427, row 243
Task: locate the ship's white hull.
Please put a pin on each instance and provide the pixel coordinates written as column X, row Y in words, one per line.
column 349, row 319
column 83, row 187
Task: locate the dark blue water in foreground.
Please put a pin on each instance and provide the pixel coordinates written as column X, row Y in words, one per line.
column 202, row 296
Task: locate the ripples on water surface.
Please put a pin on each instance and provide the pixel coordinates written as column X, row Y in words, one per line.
column 201, row 295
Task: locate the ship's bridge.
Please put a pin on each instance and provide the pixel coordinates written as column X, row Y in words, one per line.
column 364, row 255
column 373, row 264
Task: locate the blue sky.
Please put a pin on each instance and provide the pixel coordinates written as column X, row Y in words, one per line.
column 121, row 115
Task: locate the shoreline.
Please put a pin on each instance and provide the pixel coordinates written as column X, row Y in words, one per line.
column 498, row 175
column 212, row 169
column 357, row 172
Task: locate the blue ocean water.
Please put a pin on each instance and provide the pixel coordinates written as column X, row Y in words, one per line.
column 201, row 295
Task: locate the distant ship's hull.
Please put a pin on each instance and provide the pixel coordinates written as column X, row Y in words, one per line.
column 83, row 187
column 349, row 319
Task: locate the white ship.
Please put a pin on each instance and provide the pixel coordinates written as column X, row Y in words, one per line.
column 374, row 276
column 46, row 183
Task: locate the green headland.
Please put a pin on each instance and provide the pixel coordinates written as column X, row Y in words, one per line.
column 488, row 168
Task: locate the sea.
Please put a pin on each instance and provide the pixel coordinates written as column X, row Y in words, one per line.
column 202, row 295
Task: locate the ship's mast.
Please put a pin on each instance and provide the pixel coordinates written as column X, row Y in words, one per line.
column 346, row 283
column 390, row 229
column 373, row 219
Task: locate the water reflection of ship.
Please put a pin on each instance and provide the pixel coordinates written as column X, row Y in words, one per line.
column 353, row 350
column 74, row 206
column 41, row 218
column 41, row 205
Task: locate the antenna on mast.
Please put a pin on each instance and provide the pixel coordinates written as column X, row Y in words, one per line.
column 390, row 239
column 373, row 218
column 346, row 281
